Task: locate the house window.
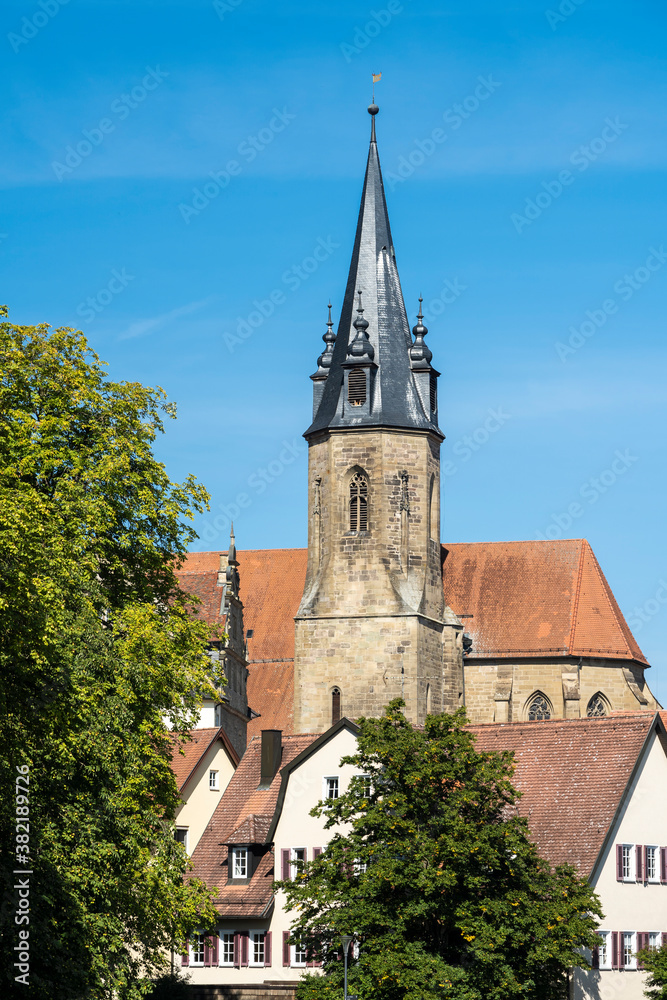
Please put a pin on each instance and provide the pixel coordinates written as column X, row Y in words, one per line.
column 653, row 941
column 335, row 706
column 359, row 502
column 356, row 387
column 299, row 956
column 539, row 708
column 296, row 854
column 604, row 954
column 197, row 949
column 651, row 871
column 597, row 707
column 181, row 836
column 628, row 953
column 226, row 947
column 240, row 862
column 627, row 873
column 331, row 788
column 213, row 781
column 366, row 785
column 258, row 942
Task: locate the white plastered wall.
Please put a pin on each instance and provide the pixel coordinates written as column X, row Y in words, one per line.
column 199, row 801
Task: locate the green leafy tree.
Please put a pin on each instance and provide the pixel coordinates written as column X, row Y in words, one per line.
column 100, row 654
column 655, row 962
column 436, row 876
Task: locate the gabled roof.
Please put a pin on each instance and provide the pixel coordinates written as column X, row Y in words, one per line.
column 187, row 756
column 242, row 800
column 373, row 271
column 535, row 599
column 574, row 775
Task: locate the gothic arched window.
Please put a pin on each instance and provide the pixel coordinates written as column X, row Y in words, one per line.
column 359, row 502
column 597, row 707
column 539, row 708
column 429, row 706
column 335, row 706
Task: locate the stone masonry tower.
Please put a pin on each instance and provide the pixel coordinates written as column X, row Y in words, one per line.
column 372, row 624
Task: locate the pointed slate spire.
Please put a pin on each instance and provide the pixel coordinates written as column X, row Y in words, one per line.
column 394, row 399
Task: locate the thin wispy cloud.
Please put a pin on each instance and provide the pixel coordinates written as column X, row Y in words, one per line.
column 144, row 327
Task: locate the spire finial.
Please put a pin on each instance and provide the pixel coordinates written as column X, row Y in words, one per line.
column 329, row 338
column 360, row 346
column 420, row 352
column 372, row 107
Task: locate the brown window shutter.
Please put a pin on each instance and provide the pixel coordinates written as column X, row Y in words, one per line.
column 244, row 947
column 595, row 958
column 316, row 852
column 639, row 863
column 185, row 957
column 615, row 962
column 619, row 862
column 663, row 864
column 237, row 951
column 214, row 947
column 642, row 942
column 207, row 953
column 664, row 939
column 284, row 864
column 285, row 949
column 267, row 948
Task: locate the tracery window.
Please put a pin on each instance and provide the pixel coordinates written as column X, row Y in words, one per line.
column 539, row 708
column 597, row 707
column 359, row 502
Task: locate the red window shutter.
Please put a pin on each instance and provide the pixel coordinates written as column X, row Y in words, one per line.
column 642, row 942
column 285, row 865
column 619, row 862
column 663, row 864
column 237, row 951
column 244, row 948
column 286, row 949
column 214, row 948
column 207, row 953
column 267, row 948
column 316, row 852
column 664, row 939
column 185, row 957
column 615, row 963
column 595, row 958
column 639, row 863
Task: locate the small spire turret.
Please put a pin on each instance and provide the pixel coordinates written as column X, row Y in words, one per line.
column 329, row 338
column 360, row 346
column 420, row 352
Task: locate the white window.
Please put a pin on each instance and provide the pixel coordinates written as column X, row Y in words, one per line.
column 652, row 873
column 360, row 866
column 226, row 947
column 366, row 785
column 628, row 960
column 627, row 863
column 604, row 950
column 653, row 940
column 296, row 854
column 213, row 781
column 240, row 862
column 197, row 949
column 298, row 956
column 181, row 836
column 331, row 788
column 257, row 946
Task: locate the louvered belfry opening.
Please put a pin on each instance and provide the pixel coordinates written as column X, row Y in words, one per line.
column 356, row 387
column 434, row 393
column 335, row 706
column 358, row 502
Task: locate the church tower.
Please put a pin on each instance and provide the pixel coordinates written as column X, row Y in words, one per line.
column 372, row 624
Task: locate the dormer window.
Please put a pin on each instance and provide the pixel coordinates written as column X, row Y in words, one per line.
column 240, row 862
column 359, row 502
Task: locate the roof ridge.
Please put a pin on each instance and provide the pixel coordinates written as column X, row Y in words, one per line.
column 574, row 606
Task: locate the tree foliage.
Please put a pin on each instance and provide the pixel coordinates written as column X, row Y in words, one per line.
column 655, row 962
column 100, row 651
column 433, row 871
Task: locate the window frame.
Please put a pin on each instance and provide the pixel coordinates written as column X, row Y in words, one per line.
column 292, row 956
column 655, row 878
column 630, row 877
column 200, row 937
column 604, row 949
column 294, row 871
column 184, row 840
column 632, row 948
column 253, row 937
column 238, row 851
column 213, row 780
column 326, row 787
column 358, row 502
column 221, row 948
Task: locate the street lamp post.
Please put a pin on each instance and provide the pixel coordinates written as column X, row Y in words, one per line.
column 345, row 938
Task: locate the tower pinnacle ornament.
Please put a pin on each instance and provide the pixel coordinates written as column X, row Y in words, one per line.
column 329, row 338
column 420, row 352
column 361, row 346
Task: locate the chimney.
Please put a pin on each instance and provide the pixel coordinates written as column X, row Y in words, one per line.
column 272, row 751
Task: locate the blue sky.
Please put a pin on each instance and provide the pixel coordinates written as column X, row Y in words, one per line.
column 543, row 207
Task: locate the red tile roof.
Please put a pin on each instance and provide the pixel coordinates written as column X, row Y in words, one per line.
column 186, row 756
column 241, row 801
column 572, row 773
column 536, row 599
